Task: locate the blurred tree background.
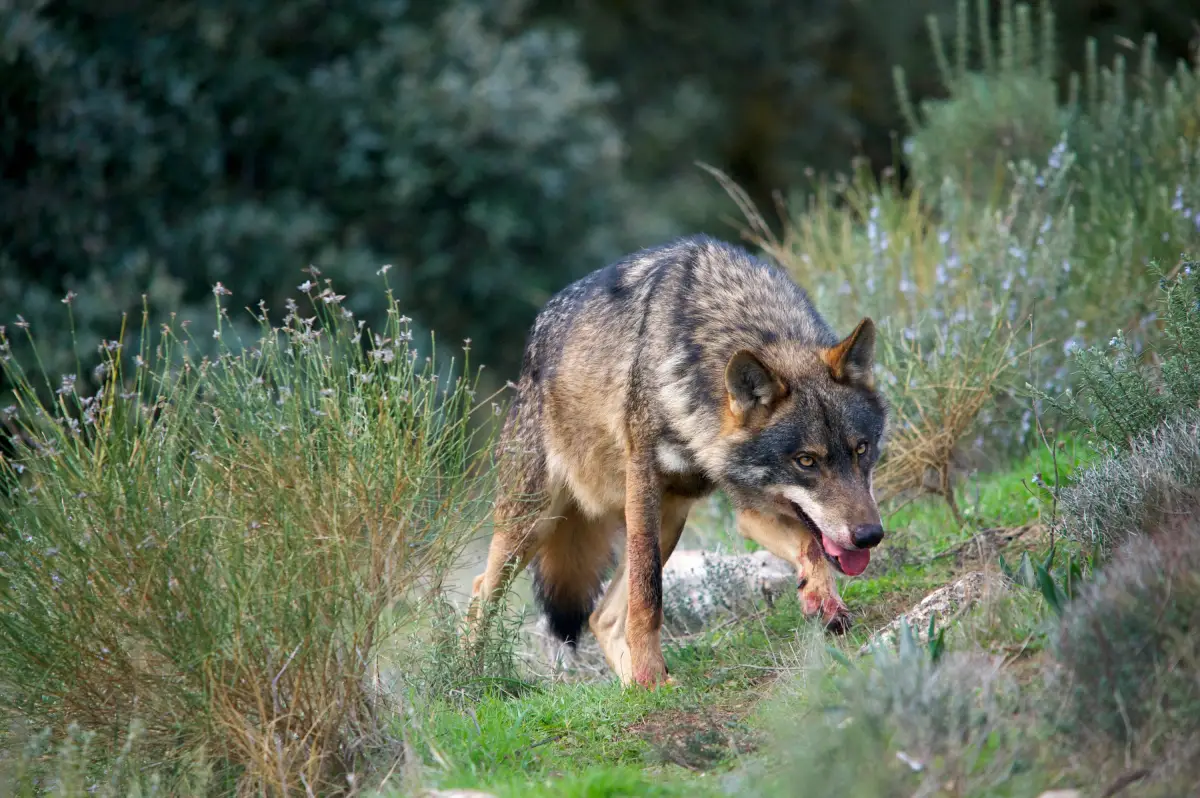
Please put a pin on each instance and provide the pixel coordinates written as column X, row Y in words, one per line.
column 488, row 150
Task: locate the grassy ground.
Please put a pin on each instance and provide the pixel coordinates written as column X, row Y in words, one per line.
column 595, row 739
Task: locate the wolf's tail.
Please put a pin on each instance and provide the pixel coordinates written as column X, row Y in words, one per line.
column 567, row 576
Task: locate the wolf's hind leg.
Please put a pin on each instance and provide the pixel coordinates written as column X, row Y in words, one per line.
column 792, row 541
column 608, row 621
column 570, row 566
column 526, row 513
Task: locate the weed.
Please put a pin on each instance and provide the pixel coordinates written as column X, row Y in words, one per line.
column 1058, row 583
column 218, row 547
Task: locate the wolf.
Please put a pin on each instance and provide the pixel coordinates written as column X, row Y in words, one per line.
column 649, row 384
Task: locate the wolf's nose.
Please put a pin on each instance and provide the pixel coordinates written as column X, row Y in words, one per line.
column 867, row 536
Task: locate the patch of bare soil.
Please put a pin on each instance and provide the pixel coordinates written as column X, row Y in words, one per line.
column 696, row 740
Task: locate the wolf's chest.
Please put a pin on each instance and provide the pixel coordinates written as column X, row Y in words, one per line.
column 680, row 474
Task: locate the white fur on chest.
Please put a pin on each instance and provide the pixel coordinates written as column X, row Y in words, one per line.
column 674, row 459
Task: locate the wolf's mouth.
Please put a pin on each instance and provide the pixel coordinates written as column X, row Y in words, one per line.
column 849, row 562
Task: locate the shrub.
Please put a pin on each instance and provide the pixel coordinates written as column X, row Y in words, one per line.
column 1134, row 140
column 901, row 724
column 1006, row 112
column 1118, row 497
column 936, row 396
column 1136, row 185
column 158, row 150
column 68, row 769
column 218, row 547
column 452, row 661
column 1128, row 656
column 1122, row 393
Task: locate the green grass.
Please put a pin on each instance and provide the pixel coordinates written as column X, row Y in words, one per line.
column 596, row 739
column 1008, row 497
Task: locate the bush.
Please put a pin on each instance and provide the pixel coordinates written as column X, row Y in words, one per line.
column 1119, row 497
column 69, row 769
column 1128, row 655
column 157, row 149
column 1007, row 112
column 1122, row 393
column 1137, row 182
column 902, row 724
column 451, row 661
column 936, row 397
column 1134, row 140
column 218, row 547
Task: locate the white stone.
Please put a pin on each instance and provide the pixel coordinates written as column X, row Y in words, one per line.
column 945, row 603
column 700, row 585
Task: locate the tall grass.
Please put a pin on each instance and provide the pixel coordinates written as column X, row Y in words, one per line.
column 218, row 547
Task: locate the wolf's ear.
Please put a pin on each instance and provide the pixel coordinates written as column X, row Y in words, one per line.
column 751, row 385
column 853, row 360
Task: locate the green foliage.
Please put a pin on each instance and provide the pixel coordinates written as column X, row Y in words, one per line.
column 451, row 662
column 70, row 769
column 1007, row 112
column 1137, row 143
column 218, row 547
column 755, row 85
column 158, row 149
column 922, row 717
column 936, row 394
column 1130, row 143
column 1122, row 394
column 1058, row 583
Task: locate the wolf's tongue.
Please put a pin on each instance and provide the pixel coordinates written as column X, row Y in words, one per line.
column 853, row 562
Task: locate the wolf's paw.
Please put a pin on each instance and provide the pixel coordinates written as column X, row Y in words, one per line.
column 652, row 672
column 838, row 623
column 821, row 604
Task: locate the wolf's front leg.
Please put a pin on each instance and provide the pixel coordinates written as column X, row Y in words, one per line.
column 792, row 541
column 643, row 569
column 609, row 620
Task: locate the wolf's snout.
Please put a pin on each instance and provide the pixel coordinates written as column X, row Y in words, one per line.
column 867, row 536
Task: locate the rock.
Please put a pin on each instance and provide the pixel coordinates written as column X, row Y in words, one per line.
column 456, row 794
column 1061, row 794
column 699, row 585
column 944, row 603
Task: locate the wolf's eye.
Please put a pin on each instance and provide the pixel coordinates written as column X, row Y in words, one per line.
column 861, row 449
column 806, row 461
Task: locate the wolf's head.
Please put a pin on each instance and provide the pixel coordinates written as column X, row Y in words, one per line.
column 803, row 428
